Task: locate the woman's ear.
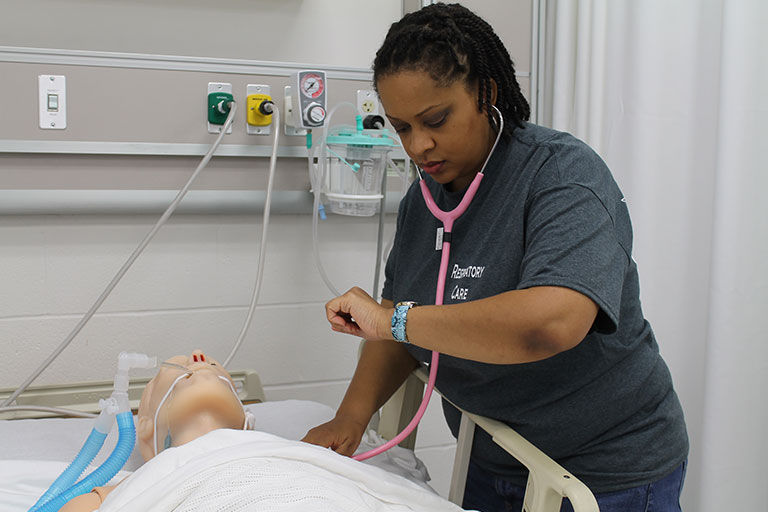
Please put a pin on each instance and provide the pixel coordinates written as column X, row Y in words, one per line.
column 145, row 431
column 494, row 91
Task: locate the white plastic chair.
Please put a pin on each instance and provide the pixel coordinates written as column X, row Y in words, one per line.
column 548, row 482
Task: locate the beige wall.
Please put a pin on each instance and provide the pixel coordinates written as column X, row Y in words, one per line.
column 319, row 32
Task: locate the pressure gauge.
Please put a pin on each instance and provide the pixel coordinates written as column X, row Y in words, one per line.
column 308, row 109
column 312, row 85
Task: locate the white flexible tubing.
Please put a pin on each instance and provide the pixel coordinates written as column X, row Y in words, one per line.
column 263, row 248
column 318, row 181
column 404, row 177
column 96, row 305
column 52, row 410
column 316, row 193
column 315, row 246
column 406, row 184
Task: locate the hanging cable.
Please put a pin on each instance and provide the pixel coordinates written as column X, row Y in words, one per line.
column 263, row 248
column 129, row 262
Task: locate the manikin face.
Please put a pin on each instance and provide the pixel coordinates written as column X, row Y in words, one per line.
column 441, row 128
column 198, row 403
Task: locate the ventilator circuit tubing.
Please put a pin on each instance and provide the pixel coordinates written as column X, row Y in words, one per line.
column 64, row 487
column 111, row 286
column 70, row 475
column 447, row 218
column 105, row 472
column 263, row 248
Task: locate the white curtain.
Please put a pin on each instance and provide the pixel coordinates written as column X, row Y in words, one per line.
column 674, row 96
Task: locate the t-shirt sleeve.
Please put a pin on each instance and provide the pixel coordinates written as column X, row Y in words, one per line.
column 571, row 241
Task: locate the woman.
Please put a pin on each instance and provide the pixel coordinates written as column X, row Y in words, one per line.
column 542, row 326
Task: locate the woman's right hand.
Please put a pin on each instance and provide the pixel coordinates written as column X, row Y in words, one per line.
column 341, row 435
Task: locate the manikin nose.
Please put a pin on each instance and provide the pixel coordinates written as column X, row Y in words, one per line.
column 198, row 356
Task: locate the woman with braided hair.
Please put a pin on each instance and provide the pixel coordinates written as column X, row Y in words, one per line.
column 541, row 325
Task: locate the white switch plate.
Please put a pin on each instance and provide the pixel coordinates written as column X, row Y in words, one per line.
column 52, row 91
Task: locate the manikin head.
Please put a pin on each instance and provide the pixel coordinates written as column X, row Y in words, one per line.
column 201, row 400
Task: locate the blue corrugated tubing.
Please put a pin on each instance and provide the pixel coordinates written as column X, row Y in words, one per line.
column 70, row 475
column 106, row 471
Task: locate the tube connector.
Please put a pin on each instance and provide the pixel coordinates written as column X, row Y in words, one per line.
column 373, row 122
column 125, row 362
column 266, row 107
column 109, row 407
column 128, row 360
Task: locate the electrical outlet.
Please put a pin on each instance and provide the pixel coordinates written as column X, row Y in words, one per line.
column 367, row 103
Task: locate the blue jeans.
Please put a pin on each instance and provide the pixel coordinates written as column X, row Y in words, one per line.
column 490, row 493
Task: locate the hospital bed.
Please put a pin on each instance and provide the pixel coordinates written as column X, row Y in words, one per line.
column 35, row 446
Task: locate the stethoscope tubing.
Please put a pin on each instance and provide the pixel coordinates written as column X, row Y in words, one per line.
column 447, row 219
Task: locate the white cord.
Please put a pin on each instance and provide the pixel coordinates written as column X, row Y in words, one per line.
column 318, row 182
column 53, row 410
column 108, row 290
column 406, row 182
column 263, row 248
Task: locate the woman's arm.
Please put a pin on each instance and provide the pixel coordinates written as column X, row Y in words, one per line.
column 382, row 368
column 513, row 327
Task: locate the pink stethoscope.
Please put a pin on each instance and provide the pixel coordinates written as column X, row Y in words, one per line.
column 447, row 218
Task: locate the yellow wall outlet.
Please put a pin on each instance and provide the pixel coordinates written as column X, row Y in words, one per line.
column 255, row 117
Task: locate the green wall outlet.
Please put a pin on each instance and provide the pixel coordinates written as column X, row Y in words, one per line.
column 218, row 107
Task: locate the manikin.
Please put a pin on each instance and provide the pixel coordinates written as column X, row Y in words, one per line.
column 202, row 400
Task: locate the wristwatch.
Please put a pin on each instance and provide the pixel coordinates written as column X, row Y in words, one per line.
column 399, row 318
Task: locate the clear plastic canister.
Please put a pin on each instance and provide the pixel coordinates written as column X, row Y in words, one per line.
column 354, row 174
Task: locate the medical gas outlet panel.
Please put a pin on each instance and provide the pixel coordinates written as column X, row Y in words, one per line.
column 305, row 102
column 258, row 104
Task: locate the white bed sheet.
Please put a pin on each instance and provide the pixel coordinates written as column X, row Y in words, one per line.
column 34, row 452
column 230, row 470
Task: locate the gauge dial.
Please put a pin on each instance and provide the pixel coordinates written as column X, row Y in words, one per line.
column 312, row 85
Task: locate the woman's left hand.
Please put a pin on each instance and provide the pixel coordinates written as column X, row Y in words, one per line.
column 356, row 313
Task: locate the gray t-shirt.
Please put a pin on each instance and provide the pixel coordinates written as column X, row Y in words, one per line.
column 549, row 213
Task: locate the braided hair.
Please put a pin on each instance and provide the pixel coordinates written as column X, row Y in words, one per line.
column 450, row 42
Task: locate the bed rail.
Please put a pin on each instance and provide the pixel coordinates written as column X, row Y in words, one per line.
column 548, row 482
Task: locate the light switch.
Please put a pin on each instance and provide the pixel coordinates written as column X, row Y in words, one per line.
column 53, row 102
column 52, row 90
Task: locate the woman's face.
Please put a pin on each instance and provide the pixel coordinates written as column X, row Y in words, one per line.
column 441, row 128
